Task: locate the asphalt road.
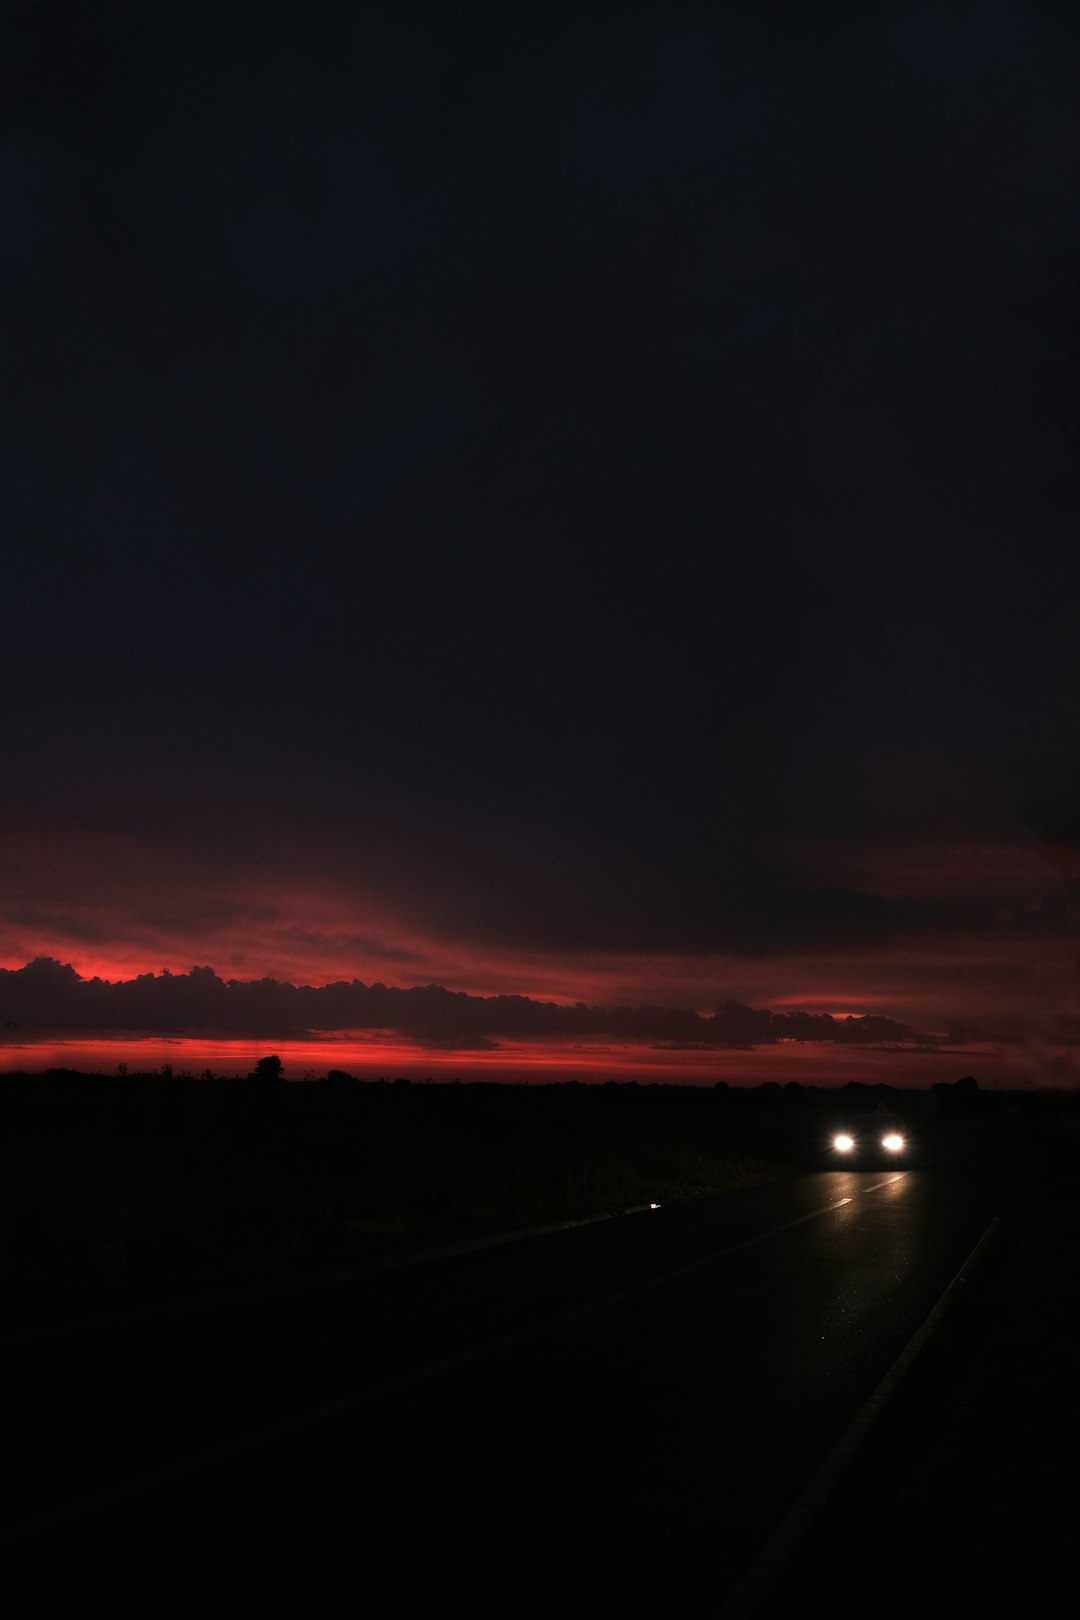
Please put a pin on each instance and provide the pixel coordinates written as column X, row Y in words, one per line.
column 961, row 1495
column 618, row 1419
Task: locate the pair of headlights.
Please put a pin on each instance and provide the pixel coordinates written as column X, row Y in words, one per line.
column 892, row 1142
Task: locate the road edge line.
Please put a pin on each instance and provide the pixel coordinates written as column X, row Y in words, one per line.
column 784, row 1541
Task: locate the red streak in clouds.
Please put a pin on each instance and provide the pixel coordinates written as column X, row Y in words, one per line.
column 539, row 1062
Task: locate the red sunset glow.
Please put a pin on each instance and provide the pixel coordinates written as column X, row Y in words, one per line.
column 663, row 609
column 516, row 1063
column 980, row 984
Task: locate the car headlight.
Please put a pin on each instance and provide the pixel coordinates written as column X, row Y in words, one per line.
column 843, row 1143
column 893, row 1143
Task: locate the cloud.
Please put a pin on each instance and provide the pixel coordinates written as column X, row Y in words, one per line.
column 47, row 996
column 1050, row 807
column 734, row 1024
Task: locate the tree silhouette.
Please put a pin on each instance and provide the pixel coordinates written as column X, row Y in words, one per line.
column 267, row 1070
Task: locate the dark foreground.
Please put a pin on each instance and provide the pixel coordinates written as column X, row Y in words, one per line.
column 957, row 1496
column 122, row 1192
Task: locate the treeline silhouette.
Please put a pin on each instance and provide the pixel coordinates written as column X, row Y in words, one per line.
column 132, row 1189
column 574, row 1112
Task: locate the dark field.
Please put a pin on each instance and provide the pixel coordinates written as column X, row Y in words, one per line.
column 127, row 1191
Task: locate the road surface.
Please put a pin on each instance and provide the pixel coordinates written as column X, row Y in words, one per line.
column 614, row 1419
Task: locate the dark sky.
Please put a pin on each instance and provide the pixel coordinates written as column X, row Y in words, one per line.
column 574, row 502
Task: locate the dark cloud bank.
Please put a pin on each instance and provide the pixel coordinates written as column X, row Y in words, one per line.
column 48, row 996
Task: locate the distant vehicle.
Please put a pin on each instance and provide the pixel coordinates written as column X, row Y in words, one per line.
column 870, row 1141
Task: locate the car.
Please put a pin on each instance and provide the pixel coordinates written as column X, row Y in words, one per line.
column 876, row 1140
